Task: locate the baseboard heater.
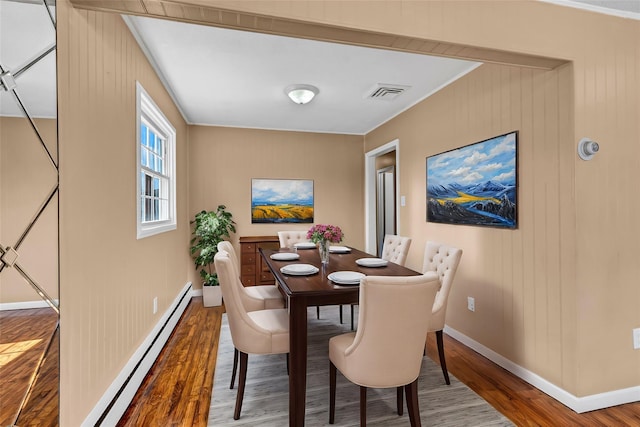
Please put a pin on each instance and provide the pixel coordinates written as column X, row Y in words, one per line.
column 119, row 395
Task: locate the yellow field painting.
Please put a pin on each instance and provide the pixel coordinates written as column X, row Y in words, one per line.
column 282, row 213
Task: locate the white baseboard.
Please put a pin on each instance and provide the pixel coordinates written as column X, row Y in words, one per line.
column 578, row 404
column 118, row 396
column 24, row 305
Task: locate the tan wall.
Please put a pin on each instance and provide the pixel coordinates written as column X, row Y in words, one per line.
column 222, row 162
column 27, row 177
column 515, row 276
column 108, row 279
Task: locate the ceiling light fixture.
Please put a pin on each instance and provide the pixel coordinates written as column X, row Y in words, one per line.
column 301, row 94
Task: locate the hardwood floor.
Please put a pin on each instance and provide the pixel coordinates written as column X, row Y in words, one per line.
column 178, row 387
column 24, row 336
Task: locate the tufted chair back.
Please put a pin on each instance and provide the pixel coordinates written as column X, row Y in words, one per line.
column 395, row 248
column 443, row 260
column 290, row 238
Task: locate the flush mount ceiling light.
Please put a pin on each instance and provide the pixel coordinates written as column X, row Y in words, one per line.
column 301, row 94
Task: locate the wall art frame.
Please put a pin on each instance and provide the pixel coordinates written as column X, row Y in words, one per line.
column 476, row 184
column 282, row 201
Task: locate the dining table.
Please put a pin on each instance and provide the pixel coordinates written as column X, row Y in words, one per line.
column 302, row 290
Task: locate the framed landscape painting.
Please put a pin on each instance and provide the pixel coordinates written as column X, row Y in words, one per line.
column 476, row 184
column 281, row 201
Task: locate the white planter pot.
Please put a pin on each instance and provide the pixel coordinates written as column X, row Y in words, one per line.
column 211, row 296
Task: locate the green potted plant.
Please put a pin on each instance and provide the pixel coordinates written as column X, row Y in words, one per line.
column 210, row 228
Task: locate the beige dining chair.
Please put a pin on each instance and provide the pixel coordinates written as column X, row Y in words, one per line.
column 287, row 240
column 395, row 249
column 252, row 332
column 443, row 260
column 290, row 238
column 253, row 297
column 386, row 350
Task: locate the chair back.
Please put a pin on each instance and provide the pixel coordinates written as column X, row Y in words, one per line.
column 392, row 328
column 247, row 336
column 395, row 248
column 226, row 246
column 444, row 261
column 290, row 238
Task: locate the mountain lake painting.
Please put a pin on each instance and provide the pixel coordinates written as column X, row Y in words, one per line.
column 281, row 201
column 475, row 184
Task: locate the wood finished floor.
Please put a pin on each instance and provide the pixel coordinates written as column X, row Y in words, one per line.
column 520, row 402
column 177, row 389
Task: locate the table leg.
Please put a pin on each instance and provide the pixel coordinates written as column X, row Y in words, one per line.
column 298, row 361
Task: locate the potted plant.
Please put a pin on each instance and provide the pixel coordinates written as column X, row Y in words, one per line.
column 210, row 228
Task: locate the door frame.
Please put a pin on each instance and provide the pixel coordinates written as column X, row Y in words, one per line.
column 370, row 180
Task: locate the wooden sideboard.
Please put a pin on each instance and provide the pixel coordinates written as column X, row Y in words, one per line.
column 253, row 269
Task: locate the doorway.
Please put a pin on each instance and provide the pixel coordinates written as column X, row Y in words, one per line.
column 381, row 194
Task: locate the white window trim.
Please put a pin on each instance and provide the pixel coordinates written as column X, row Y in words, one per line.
column 146, row 106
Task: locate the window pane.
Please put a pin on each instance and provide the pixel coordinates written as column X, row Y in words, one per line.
column 156, row 187
column 143, row 134
column 143, row 156
column 148, row 185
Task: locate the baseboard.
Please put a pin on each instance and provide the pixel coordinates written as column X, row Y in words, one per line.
column 24, row 305
column 578, row 404
column 120, row 393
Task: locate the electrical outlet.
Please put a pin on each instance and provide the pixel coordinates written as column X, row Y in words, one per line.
column 155, row 305
column 471, row 303
column 636, row 338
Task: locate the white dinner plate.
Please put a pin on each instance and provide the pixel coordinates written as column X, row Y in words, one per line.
column 339, row 249
column 372, row 262
column 304, row 245
column 299, row 269
column 346, row 277
column 284, row 256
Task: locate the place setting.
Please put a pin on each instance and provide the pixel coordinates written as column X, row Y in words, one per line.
column 372, row 262
column 285, row 256
column 339, row 249
column 299, row 269
column 304, row 245
column 346, row 278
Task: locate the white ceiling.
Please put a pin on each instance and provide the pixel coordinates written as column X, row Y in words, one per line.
column 237, row 78
column 234, row 78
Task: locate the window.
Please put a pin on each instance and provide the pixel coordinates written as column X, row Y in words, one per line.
column 156, row 184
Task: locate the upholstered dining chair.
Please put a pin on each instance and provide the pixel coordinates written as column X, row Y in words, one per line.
column 444, row 261
column 253, row 297
column 395, row 249
column 287, row 240
column 252, row 332
column 290, row 238
column 386, row 350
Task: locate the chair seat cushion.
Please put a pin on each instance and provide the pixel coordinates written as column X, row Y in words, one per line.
column 268, row 293
column 275, row 322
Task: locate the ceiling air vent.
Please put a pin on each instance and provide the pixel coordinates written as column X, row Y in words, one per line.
column 386, row 92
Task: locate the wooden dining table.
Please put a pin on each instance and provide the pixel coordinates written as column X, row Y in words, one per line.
column 302, row 291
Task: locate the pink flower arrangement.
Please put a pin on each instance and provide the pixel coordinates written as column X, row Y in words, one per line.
column 320, row 232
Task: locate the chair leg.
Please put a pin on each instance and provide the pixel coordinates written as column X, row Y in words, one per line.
column 341, row 321
column 318, row 311
column 411, row 390
column 443, row 363
column 332, row 392
column 241, row 382
column 363, row 406
column 352, row 310
column 287, row 363
column 399, row 400
column 235, row 368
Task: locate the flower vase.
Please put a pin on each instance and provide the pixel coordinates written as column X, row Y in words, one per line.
column 323, row 248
